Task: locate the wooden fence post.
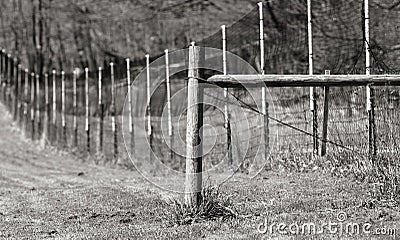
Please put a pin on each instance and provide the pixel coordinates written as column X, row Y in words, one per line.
column 87, row 111
column 45, row 135
column 170, row 126
column 18, row 95
column 194, row 145
column 9, row 82
column 265, row 110
column 4, row 73
column 32, row 106
column 26, row 101
column 54, row 110
column 325, row 120
column 101, row 115
column 15, row 89
column 2, row 64
column 75, row 123
column 313, row 100
column 5, row 80
column 226, row 107
column 130, row 110
column 38, row 120
column 370, row 90
column 54, row 117
column 371, row 122
column 1, row 67
column 149, row 127
column 264, row 90
column 113, row 114
column 63, row 114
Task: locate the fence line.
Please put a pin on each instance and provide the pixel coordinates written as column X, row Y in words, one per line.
column 41, row 105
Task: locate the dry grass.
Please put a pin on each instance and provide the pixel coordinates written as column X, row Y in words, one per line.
column 213, row 205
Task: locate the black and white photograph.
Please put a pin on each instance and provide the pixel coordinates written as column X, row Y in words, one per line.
column 200, row 119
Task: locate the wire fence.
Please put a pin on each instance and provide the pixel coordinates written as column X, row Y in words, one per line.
column 72, row 111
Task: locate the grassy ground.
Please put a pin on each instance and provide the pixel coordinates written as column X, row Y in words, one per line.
column 47, row 194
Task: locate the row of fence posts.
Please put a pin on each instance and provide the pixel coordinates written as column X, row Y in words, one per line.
column 25, row 99
column 11, row 76
column 21, row 93
column 193, row 182
column 313, row 100
column 313, row 95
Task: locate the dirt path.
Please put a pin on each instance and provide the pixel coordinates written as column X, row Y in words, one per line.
column 45, row 193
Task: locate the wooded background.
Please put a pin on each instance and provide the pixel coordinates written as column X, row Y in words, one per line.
column 47, row 34
column 60, row 34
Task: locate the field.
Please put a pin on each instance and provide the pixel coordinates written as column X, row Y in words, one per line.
column 50, row 194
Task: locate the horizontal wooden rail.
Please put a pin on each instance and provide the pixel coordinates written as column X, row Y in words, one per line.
column 235, row 81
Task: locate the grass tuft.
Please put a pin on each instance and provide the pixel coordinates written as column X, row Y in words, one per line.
column 213, row 206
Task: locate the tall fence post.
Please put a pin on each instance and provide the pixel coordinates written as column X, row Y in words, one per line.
column 326, row 118
column 9, row 82
column 1, row 67
column 130, row 109
column 63, row 113
column 226, row 107
column 75, row 112
column 101, row 115
column 38, row 120
column 313, row 100
column 113, row 114
column 5, row 79
column 15, row 89
column 370, row 90
column 32, row 106
column 169, row 113
column 45, row 135
column 87, row 111
column 264, row 90
column 149, row 127
column 3, row 71
column 54, row 117
column 18, row 95
column 194, row 145
column 26, row 101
